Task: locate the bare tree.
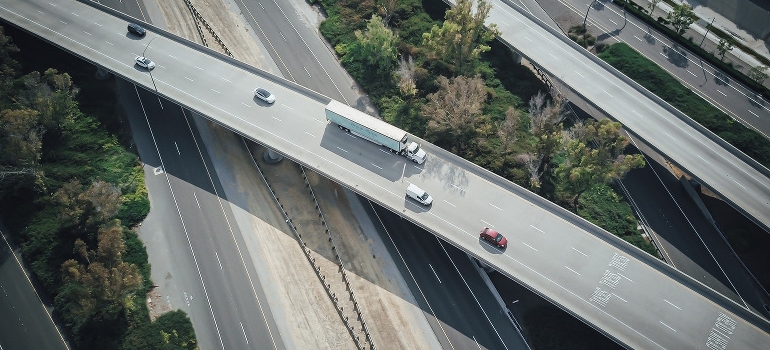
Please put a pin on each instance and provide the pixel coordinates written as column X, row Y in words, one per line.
column 388, row 8
column 406, row 75
column 534, row 164
column 454, row 109
column 506, row 128
column 651, row 5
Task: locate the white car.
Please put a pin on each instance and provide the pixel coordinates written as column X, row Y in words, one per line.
column 145, row 62
column 264, row 95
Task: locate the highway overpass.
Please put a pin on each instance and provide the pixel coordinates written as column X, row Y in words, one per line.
column 620, row 290
column 740, row 180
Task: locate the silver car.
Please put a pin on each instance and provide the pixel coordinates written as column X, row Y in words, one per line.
column 145, row 62
column 264, row 95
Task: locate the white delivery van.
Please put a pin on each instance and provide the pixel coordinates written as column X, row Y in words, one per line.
column 416, row 193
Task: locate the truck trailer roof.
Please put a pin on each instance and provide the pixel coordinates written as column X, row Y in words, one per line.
column 367, row 120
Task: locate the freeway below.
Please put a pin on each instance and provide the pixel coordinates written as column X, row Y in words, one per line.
column 725, row 170
column 594, row 275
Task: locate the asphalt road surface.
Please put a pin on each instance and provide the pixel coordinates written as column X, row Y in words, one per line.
column 25, row 323
column 594, row 275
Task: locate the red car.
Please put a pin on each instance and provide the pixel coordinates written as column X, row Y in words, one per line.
column 493, row 237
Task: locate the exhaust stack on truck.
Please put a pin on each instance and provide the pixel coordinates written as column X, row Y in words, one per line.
column 374, row 130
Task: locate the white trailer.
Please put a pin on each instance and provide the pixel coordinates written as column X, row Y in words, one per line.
column 374, row 130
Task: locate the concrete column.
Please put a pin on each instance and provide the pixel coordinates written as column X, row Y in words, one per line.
column 271, row 156
column 516, row 57
column 102, row 74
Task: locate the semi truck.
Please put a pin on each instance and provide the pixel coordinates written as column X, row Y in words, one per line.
column 358, row 123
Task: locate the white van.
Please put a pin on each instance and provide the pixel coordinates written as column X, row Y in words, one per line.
column 418, row 194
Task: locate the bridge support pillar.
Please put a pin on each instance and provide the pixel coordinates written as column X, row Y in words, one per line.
column 102, row 74
column 271, row 156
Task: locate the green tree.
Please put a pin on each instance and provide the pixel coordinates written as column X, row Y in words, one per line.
column 594, row 155
column 9, row 68
column 376, row 46
column 758, row 74
column 21, row 140
column 462, row 38
column 97, row 292
column 681, row 18
column 454, row 109
column 723, row 47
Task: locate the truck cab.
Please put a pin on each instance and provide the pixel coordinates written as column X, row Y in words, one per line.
column 415, row 153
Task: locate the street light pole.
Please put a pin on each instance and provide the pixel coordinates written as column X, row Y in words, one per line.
column 588, row 10
column 707, row 31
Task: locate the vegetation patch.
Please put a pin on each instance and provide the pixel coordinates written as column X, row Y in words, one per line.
column 69, row 191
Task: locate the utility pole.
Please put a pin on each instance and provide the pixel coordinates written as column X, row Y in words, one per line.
column 588, row 10
column 707, row 31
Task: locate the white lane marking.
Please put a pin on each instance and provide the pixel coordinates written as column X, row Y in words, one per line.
column 577, row 273
column 226, row 80
column 488, row 224
column 664, row 55
column 573, row 248
column 41, row 12
column 306, row 71
column 503, row 22
column 605, row 91
column 669, row 327
column 637, row 38
column 75, row 14
column 672, row 304
column 177, row 148
column 669, row 136
column 376, row 166
column 86, row 32
column 342, row 150
column 552, row 55
column 613, row 22
column 619, row 297
column 754, row 114
column 110, row 43
column 637, row 113
column 284, row 38
column 418, row 168
column 581, row 75
column 278, row 119
column 531, row 247
column 434, row 273
column 701, row 158
column 630, row 280
column 52, row 4
column 496, row 207
column 62, row 22
column 197, row 67
column 537, row 228
column 244, row 333
column 530, row 40
column 449, row 203
column 219, row 261
column 172, row 56
column 189, row 79
column 457, row 187
column 97, row 24
column 245, row 105
column 214, row 91
column 723, row 94
column 739, row 184
column 311, row 135
column 263, row 8
column 289, row 107
column 693, row 74
column 473, row 336
column 384, row 151
column 196, row 200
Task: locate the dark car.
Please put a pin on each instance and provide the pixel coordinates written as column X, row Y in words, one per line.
column 494, row 237
column 136, row 29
